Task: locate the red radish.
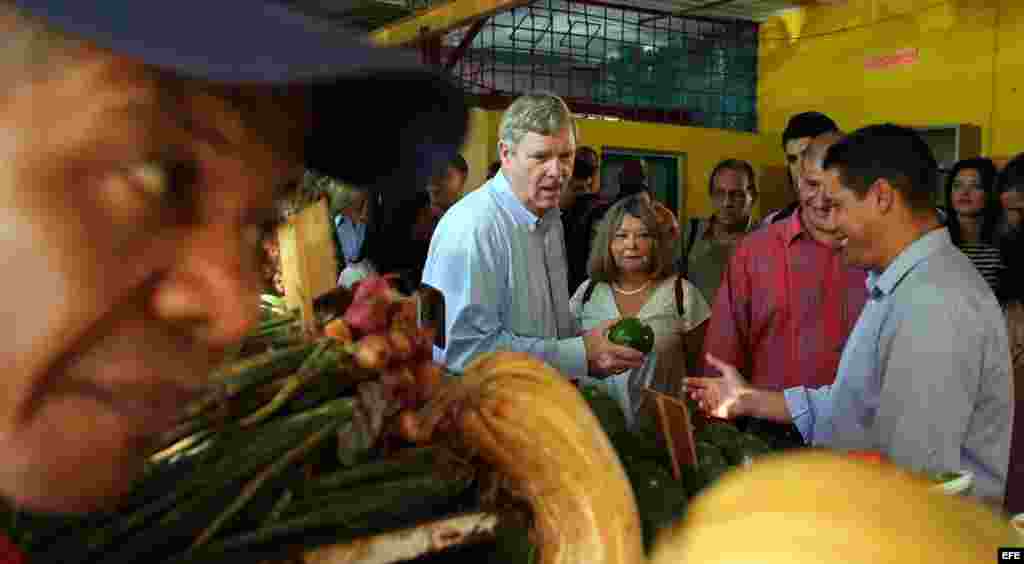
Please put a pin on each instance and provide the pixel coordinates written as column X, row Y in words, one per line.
column 373, row 287
column 369, row 316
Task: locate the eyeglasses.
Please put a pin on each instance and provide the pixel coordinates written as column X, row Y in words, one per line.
column 957, row 185
column 737, row 196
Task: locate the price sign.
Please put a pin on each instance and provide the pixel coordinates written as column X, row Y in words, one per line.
column 674, row 426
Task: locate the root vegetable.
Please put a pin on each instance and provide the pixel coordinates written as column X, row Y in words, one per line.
column 401, row 345
column 370, row 316
column 527, row 420
column 404, row 315
column 373, row 352
column 428, row 379
column 410, row 428
column 339, row 330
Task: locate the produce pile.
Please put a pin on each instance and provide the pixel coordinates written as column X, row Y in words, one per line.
column 660, row 498
column 304, row 439
column 317, row 434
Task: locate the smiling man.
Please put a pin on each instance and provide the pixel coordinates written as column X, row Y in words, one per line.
column 800, row 130
column 139, row 164
column 925, row 375
column 498, row 255
column 787, row 302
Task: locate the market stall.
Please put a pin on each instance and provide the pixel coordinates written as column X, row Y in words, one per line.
column 331, row 436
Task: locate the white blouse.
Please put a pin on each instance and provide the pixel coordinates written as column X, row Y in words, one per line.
column 662, row 314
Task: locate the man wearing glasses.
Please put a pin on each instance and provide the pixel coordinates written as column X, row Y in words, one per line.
column 709, row 242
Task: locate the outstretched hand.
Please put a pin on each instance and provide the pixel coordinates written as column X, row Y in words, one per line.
column 720, row 397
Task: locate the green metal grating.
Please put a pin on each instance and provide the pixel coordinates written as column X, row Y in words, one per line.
column 623, row 60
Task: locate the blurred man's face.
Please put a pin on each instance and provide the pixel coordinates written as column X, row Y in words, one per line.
column 1013, row 205
column 447, row 190
column 573, row 190
column 132, row 213
column 794, row 158
column 730, row 194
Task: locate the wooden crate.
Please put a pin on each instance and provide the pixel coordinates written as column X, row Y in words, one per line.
column 309, row 266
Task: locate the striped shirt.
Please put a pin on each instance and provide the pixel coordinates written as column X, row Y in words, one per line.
column 988, row 260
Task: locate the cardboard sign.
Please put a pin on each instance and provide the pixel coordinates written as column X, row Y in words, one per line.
column 675, row 428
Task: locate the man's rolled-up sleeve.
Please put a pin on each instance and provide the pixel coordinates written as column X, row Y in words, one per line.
column 808, row 407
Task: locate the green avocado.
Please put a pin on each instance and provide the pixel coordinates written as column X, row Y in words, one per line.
column 631, row 332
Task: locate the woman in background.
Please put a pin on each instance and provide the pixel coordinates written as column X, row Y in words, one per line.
column 974, row 216
column 631, row 275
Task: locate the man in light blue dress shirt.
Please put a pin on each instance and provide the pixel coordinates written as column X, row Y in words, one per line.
column 498, row 255
column 925, row 375
column 350, row 226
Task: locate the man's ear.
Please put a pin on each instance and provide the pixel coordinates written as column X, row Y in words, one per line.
column 884, row 194
column 504, row 151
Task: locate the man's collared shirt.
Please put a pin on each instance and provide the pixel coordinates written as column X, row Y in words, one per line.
column 503, row 274
column 785, row 308
column 350, row 235
column 925, row 377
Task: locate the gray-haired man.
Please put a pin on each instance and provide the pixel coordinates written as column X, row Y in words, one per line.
column 498, row 255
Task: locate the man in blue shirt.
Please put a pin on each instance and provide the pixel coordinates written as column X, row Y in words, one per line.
column 350, row 226
column 925, row 375
column 498, row 255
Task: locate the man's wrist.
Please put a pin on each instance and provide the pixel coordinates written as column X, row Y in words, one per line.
column 746, row 402
column 764, row 404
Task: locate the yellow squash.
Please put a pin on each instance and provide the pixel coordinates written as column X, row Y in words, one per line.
column 818, row 506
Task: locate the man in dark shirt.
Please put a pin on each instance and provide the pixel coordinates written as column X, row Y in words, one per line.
column 577, row 202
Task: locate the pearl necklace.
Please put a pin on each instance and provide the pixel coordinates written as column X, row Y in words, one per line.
column 631, row 292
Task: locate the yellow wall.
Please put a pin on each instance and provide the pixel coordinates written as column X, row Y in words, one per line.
column 479, row 149
column 968, row 69
column 703, row 148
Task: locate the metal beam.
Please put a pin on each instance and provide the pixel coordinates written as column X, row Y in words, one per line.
column 690, row 10
column 439, row 19
column 460, row 51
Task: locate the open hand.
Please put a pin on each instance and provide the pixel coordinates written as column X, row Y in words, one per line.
column 605, row 358
column 720, row 397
